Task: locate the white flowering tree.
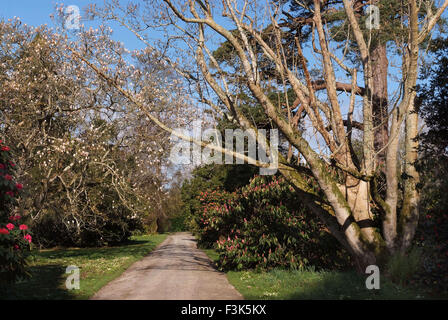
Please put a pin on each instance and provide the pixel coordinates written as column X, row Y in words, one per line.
column 93, row 165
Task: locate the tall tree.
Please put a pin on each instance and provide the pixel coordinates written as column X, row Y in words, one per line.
column 370, row 224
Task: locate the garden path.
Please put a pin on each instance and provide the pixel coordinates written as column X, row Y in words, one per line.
column 175, row 270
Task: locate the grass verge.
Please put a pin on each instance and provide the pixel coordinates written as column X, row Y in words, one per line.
column 311, row 285
column 98, row 266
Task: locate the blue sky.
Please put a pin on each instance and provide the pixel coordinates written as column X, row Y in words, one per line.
column 37, row 12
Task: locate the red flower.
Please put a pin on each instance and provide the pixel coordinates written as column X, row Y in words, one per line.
column 23, row 227
column 10, row 226
column 19, row 186
column 2, row 166
column 10, row 193
column 28, row 237
column 5, row 148
column 8, row 177
column 16, row 247
column 4, row 231
column 14, row 218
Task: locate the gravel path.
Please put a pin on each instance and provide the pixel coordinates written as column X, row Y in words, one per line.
column 175, row 270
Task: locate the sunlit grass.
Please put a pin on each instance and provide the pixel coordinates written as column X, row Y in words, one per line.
column 98, row 266
column 311, row 285
column 305, row 284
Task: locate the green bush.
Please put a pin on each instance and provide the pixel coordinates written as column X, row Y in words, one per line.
column 211, row 177
column 402, row 267
column 263, row 225
column 432, row 238
column 15, row 237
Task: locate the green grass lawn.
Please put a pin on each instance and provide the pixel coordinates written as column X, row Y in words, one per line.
column 308, row 284
column 98, row 266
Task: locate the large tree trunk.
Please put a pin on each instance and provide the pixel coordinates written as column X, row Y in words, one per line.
column 380, row 101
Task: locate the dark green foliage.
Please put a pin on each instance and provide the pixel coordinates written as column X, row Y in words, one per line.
column 178, row 223
column 402, row 267
column 432, row 237
column 432, row 232
column 433, row 100
column 263, row 225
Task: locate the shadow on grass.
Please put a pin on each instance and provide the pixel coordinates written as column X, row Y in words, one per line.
column 48, row 267
column 45, row 284
column 132, row 248
column 342, row 286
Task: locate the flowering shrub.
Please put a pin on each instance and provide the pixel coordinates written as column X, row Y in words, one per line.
column 263, row 225
column 15, row 238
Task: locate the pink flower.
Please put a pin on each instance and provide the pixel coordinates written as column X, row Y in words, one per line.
column 5, row 148
column 10, row 226
column 16, row 247
column 4, row 231
column 2, row 166
column 28, row 237
column 23, row 227
column 19, row 186
column 10, row 193
column 8, row 177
